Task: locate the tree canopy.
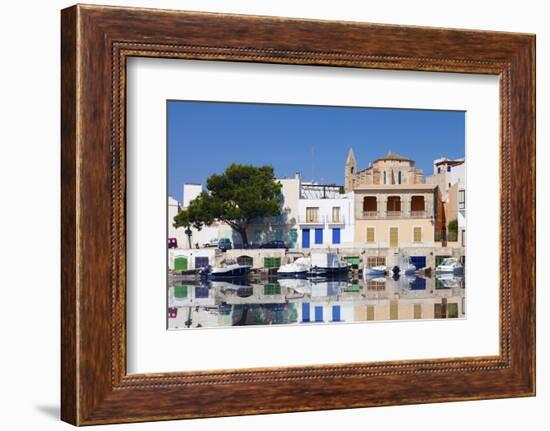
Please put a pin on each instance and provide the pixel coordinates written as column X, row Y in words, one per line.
column 237, row 197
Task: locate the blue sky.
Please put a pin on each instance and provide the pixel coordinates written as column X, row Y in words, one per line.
column 205, row 137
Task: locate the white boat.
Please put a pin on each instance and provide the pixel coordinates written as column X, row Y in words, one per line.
column 300, row 267
column 328, row 264
column 375, row 270
column 232, row 270
column 450, row 265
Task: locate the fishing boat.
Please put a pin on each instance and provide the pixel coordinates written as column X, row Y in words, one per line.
column 449, row 265
column 375, row 270
column 299, row 268
column 328, row 265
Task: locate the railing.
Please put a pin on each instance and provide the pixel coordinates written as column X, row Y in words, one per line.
column 379, row 215
column 418, row 214
column 393, row 214
column 370, row 214
column 322, row 219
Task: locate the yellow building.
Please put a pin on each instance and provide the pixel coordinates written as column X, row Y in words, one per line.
column 393, row 207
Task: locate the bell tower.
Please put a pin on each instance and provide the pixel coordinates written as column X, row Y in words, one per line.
column 351, row 170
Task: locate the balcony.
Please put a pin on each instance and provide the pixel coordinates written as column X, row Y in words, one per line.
column 418, row 214
column 377, row 215
column 321, row 220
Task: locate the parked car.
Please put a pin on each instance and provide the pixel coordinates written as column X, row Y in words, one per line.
column 211, row 243
column 274, row 244
column 224, row 244
column 172, row 312
column 172, row 243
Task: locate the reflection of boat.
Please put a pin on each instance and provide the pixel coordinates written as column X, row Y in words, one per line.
column 449, row 280
column 375, row 270
column 230, row 284
column 300, row 285
column 449, row 265
column 328, row 264
column 299, row 267
column 404, row 266
column 232, row 270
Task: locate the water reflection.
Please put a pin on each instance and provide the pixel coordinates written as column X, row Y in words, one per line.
column 243, row 301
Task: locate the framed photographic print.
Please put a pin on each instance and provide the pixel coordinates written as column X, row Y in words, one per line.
column 324, row 214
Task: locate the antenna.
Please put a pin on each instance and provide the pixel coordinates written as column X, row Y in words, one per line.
column 312, row 164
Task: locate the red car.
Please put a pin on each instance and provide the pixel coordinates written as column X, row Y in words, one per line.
column 172, row 312
column 172, row 243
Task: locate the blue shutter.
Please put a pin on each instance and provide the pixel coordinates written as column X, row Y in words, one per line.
column 336, row 235
column 335, row 313
column 305, row 238
column 318, row 313
column 305, row 312
column 201, row 262
column 318, row 235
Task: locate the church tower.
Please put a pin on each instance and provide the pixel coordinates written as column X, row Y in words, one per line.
column 351, row 170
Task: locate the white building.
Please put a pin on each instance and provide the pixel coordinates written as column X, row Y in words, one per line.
column 325, row 217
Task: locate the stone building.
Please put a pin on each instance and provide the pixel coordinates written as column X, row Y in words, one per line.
column 387, row 170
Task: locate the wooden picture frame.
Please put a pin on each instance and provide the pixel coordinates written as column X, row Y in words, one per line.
column 95, row 43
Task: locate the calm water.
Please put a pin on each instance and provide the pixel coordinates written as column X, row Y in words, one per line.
column 243, row 301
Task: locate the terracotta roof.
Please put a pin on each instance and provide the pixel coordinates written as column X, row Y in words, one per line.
column 393, row 156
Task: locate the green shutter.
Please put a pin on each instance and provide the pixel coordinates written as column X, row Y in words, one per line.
column 180, row 263
column 180, row 292
column 272, row 289
column 272, row 262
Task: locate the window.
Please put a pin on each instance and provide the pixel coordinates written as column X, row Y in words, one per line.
column 417, row 234
column 245, row 260
column 394, row 205
column 385, row 177
column 399, row 178
column 272, row 289
column 370, row 234
column 336, row 214
column 448, row 168
column 394, row 236
column 370, row 206
column 462, row 199
column 312, row 214
column 418, row 206
column 439, row 169
column 305, row 312
column 463, row 237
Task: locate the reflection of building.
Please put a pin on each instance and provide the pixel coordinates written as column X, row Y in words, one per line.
column 325, row 216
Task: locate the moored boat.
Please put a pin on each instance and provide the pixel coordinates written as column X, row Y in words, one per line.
column 232, row 270
column 299, row 268
column 328, row 265
column 449, row 265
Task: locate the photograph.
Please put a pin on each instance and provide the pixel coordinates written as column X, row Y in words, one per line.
column 281, row 214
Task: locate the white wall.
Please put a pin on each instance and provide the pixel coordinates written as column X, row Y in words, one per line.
column 347, row 229
column 29, row 158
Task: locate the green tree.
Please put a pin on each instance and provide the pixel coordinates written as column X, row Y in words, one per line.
column 237, row 197
column 452, row 230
